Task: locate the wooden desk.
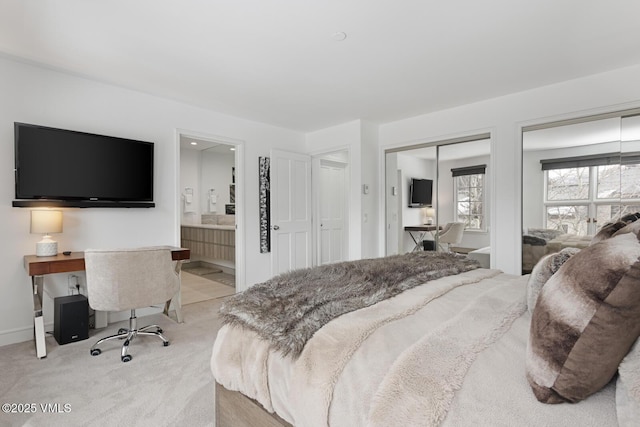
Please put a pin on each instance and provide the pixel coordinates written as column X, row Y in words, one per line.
column 420, row 231
column 37, row 267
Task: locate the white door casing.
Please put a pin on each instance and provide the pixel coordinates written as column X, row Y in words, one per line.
column 291, row 226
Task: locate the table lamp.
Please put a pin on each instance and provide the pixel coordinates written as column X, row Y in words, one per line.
column 429, row 213
column 46, row 222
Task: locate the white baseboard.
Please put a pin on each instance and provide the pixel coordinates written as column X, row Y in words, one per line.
column 14, row 336
column 17, row 335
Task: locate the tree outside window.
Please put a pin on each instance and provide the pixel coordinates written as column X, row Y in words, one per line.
column 469, row 201
column 579, row 200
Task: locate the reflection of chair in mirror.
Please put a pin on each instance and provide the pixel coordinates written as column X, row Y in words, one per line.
column 450, row 235
column 126, row 279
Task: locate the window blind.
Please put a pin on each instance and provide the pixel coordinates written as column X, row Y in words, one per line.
column 469, row 170
column 591, row 160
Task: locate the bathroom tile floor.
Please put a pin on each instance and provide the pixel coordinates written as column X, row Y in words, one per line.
column 196, row 288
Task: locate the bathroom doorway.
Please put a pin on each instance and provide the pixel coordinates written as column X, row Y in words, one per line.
column 208, row 217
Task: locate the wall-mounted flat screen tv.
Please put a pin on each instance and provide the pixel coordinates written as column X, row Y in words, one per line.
column 65, row 165
column 420, row 191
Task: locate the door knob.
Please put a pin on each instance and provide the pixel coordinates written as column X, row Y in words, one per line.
column 275, row 227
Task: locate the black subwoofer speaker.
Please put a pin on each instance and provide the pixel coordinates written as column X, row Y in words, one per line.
column 70, row 319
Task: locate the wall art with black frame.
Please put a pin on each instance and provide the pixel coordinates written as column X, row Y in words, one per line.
column 264, row 205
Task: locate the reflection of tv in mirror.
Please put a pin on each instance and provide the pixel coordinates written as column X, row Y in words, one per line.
column 420, row 191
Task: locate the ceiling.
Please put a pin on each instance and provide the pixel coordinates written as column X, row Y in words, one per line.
column 280, row 62
column 197, row 144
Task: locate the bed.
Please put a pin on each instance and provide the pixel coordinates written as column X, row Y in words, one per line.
column 454, row 350
column 538, row 242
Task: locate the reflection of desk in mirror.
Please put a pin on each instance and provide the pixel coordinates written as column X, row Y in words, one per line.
column 38, row 266
column 418, row 232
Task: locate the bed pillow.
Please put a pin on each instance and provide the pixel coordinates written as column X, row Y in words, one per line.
column 628, row 388
column 630, row 217
column 585, row 320
column 544, row 269
column 607, row 231
column 633, row 227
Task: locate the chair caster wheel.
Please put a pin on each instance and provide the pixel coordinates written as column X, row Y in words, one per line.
column 126, row 358
column 95, row 352
column 159, row 330
column 122, row 331
column 165, row 343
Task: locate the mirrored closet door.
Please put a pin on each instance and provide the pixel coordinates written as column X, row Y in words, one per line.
column 437, row 196
column 576, row 177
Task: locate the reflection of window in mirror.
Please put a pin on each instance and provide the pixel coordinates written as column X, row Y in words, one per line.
column 469, row 197
column 576, row 178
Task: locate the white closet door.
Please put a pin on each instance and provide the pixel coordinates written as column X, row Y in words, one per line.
column 291, row 232
column 332, row 221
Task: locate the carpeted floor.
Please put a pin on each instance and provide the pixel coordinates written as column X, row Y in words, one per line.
column 161, row 386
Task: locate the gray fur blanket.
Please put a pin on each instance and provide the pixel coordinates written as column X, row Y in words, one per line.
column 288, row 309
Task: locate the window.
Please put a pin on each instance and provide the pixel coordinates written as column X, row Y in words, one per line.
column 583, row 193
column 469, row 190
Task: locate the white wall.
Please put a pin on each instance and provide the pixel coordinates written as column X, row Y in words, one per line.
column 190, row 163
column 345, row 137
column 371, row 216
column 32, row 94
column 390, row 202
column 202, row 171
column 360, row 139
column 504, row 118
column 216, row 174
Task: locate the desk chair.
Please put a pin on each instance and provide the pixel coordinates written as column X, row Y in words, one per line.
column 126, row 279
column 451, row 234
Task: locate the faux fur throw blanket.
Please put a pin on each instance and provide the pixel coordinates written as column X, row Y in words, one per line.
column 288, row 309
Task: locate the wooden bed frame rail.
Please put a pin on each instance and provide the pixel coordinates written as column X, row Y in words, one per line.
column 234, row 409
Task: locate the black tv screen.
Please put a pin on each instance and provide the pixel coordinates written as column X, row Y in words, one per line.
column 421, row 192
column 58, row 164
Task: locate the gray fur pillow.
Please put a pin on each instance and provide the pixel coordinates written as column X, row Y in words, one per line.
column 544, row 269
column 585, row 321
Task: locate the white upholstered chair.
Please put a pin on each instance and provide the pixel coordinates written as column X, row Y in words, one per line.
column 450, row 235
column 126, row 279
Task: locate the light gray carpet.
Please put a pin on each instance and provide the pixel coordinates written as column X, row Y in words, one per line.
column 161, row 386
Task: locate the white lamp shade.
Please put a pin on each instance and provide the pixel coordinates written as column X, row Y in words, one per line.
column 46, row 221
column 429, row 213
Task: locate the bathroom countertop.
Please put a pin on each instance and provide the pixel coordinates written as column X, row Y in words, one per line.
column 211, row 226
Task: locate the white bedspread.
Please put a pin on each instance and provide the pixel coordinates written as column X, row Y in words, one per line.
column 449, row 352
